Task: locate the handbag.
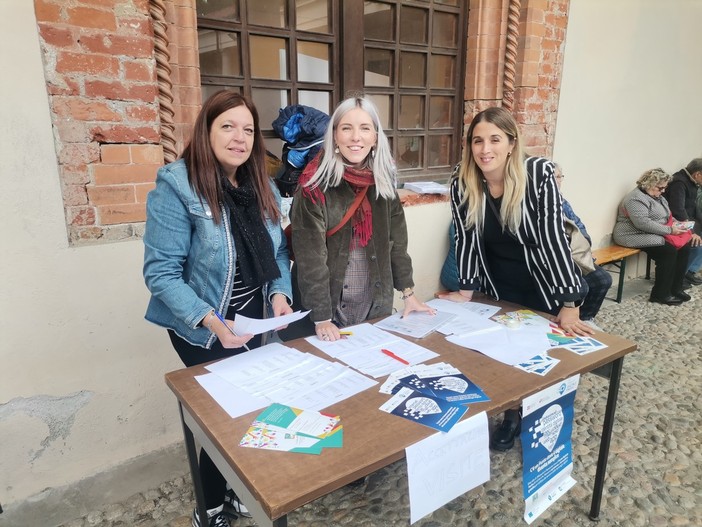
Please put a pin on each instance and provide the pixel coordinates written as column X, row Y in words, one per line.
column 331, row 232
column 579, row 247
column 677, row 240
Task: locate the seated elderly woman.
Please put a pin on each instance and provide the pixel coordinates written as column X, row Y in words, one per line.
column 643, row 222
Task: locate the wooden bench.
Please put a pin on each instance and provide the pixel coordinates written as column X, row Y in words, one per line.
column 615, row 255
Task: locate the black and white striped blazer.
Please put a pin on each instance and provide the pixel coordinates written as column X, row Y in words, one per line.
column 541, row 234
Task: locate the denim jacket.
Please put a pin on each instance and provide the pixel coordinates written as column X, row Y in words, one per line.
column 189, row 260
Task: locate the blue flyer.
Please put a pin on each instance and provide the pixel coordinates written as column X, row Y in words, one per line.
column 455, row 388
column 441, row 381
column 547, row 425
column 435, row 413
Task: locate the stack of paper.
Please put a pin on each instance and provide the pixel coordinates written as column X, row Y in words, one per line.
column 426, row 187
column 288, row 429
column 278, row 374
column 373, row 351
column 519, row 336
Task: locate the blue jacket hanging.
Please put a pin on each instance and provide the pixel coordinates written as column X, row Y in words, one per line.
column 302, row 128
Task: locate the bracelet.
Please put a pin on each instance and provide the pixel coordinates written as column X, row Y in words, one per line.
column 405, row 296
column 209, row 316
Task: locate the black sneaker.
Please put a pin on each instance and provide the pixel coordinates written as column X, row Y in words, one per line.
column 216, row 518
column 233, row 506
column 683, row 296
column 692, row 278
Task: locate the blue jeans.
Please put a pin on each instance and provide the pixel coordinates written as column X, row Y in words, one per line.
column 694, row 263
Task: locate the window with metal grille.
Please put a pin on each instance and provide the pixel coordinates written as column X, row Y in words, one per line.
column 408, row 56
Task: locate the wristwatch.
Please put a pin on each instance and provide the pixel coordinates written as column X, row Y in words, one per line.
column 573, row 304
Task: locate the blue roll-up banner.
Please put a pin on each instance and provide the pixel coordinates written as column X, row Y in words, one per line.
column 547, row 425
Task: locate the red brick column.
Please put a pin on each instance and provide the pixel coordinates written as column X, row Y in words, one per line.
column 101, row 80
column 539, row 64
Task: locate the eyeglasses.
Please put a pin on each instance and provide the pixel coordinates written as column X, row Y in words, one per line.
column 662, row 189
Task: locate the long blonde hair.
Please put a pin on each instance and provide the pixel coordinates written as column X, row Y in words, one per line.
column 471, row 180
column 331, row 167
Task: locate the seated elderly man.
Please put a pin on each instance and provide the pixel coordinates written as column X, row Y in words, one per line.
column 682, row 199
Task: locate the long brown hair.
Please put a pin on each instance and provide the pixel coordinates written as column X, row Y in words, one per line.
column 471, row 177
column 205, row 173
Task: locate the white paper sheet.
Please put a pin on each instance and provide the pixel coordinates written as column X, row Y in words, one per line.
column 245, row 325
column 417, row 325
column 362, row 350
column 234, row 401
column 476, row 308
column 445, row 465
column 509, row 346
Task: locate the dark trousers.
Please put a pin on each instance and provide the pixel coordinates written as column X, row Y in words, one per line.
column 598, row 282
column 671, row 264
column 214, row 485
column 529, row 298
column 593, row 290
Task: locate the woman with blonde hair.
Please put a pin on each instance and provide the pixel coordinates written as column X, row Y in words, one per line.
column 347, row 269
column 510, row 239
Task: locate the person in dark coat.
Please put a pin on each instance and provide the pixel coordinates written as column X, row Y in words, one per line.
column 682, row 199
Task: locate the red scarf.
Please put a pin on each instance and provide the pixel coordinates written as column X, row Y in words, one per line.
column 362, row 221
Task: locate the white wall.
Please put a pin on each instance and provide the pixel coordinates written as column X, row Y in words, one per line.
column 630, row 100
column 428, row 227
column 82, row 385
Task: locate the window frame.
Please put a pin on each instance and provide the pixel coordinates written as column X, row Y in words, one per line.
column 347, row 47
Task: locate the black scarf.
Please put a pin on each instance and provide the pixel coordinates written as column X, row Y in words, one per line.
column 254, row 247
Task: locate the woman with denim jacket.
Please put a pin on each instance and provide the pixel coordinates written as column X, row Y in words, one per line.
column 214, row 247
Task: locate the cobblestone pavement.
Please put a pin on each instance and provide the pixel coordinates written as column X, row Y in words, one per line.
column 654, row 473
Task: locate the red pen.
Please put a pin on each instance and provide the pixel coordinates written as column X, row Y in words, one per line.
column 396, row 357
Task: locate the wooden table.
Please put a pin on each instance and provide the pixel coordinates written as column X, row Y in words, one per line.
column 273, row 484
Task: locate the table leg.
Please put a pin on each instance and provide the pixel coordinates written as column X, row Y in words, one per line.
column 607, row 426
column 194, row 468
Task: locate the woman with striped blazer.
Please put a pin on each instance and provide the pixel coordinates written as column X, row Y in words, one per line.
column 510, row 239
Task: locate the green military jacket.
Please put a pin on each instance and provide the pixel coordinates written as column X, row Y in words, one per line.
column 321, row 261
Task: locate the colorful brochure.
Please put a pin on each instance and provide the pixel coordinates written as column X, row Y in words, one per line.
column 287, row 429
column 579, row 345
column 521, row 318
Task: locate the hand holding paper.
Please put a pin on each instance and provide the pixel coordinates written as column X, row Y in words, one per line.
column 244, row 325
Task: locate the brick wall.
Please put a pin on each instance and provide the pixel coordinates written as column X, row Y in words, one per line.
column 103, row 93
column 539, row 65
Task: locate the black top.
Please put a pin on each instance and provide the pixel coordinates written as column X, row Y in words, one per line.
column 682, row 199
column 504, row 254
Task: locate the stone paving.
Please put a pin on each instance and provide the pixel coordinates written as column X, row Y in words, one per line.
column 654, row 475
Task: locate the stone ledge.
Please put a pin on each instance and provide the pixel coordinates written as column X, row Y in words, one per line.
column 410, row 198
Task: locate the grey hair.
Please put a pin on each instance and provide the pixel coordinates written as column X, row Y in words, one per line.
column 694, row 166
column 331, row 167
column 652, row 178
